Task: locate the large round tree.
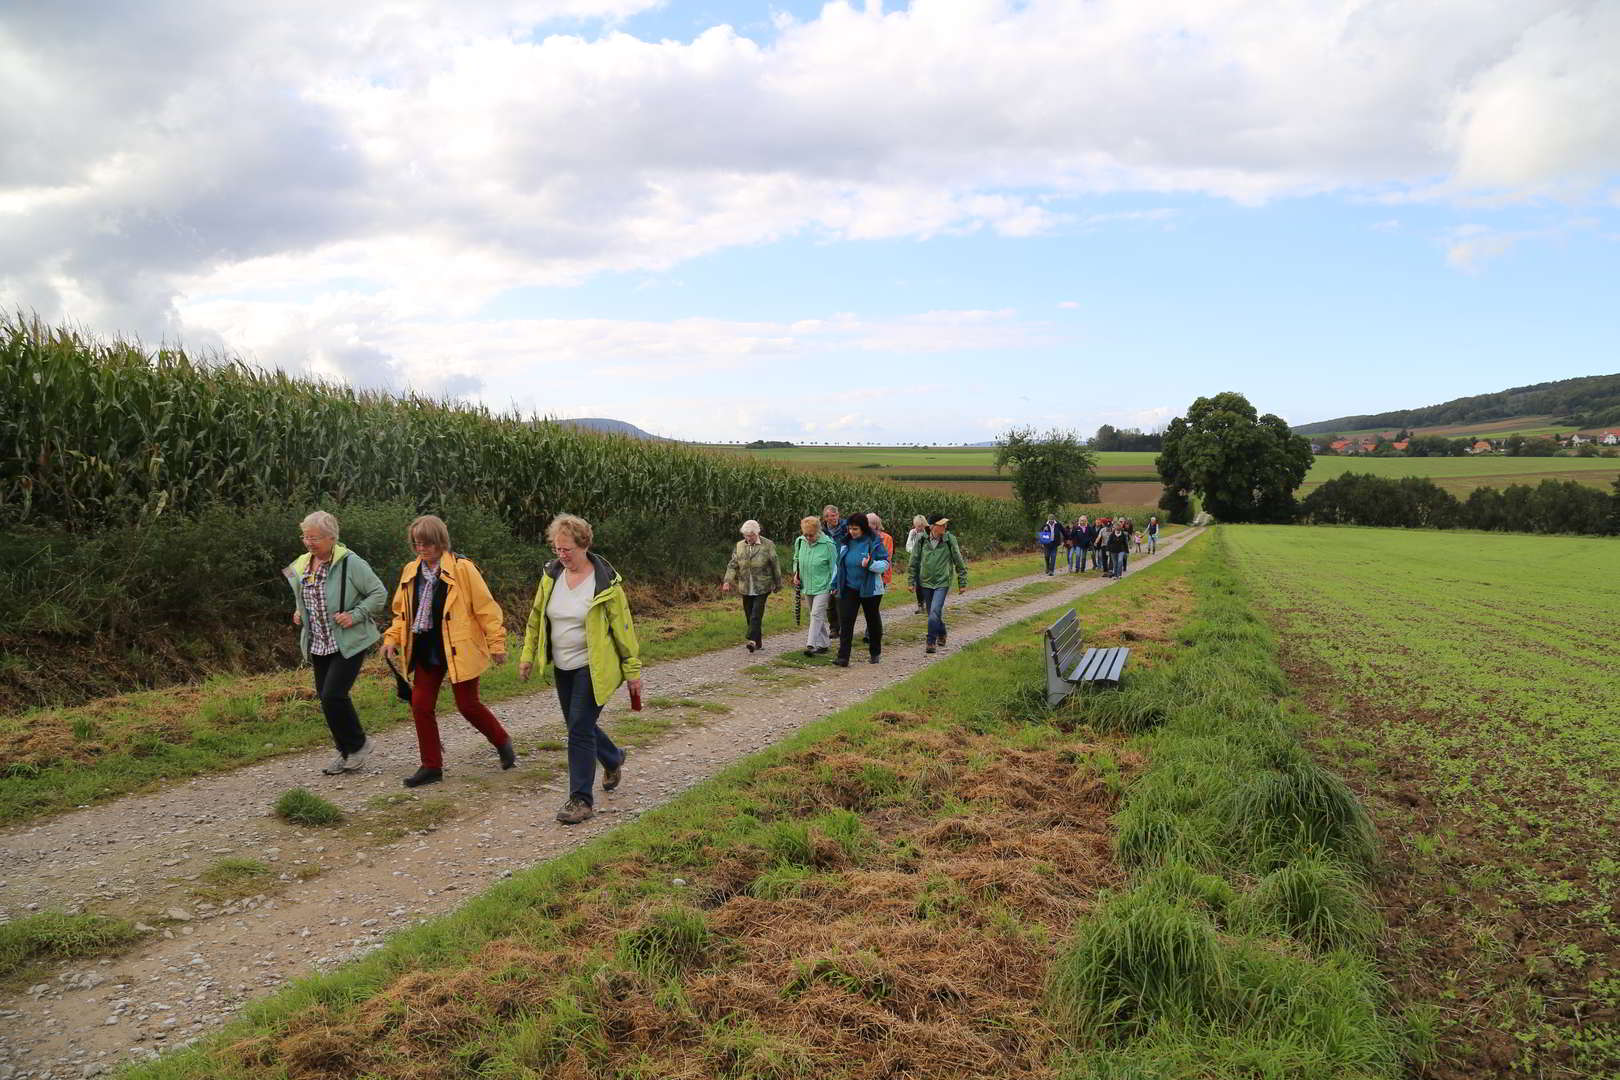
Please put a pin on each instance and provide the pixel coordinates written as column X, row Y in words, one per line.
column 1244, row 467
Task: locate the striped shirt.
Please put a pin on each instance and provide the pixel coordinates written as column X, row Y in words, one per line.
column 322, row 642
column 424, row 602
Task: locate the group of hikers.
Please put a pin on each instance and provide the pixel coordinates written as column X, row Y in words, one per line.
column 1108, row 541
column 447, row 626
column 843, row 566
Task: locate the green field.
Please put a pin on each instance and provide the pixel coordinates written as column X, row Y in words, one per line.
column 1468, row 685
column 1464, row 474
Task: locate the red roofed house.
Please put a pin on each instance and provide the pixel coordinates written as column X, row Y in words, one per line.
column 1402, row 445
column 1339, row 446
column 1610, row 438
column 1482, row 447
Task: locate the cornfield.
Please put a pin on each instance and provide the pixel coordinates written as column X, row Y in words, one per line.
column 97, row 434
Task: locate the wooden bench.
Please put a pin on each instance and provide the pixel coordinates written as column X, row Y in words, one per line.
column 1068, row 664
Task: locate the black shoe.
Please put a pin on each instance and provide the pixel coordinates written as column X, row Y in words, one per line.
column 821, row 649
column 424, row 775
column 809, row 652
column 840, row 662
column 873, row 660
column 508, row 755
column 751, row 646
column 611, row 777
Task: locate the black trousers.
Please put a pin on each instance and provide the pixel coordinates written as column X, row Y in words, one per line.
column 850, row 601
column 334, row 677
column 754, row 612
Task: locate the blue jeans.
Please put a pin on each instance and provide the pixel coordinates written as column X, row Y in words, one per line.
column 1120, row 558
column 1153, row 542
column 587, row 742
column 1051, row 558
column 934, row 601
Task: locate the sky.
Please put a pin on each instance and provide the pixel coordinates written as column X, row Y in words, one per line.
column 874, row 222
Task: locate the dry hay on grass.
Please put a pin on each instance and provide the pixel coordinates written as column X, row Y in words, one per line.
column 922, row 955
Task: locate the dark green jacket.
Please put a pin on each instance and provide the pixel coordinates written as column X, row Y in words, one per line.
column 932, row 564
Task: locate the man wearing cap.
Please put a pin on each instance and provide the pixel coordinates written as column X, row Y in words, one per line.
column 937, row 555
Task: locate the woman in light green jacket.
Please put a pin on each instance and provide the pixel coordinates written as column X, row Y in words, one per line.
column 754, row 572
column 337, row 598
column 580, row 624
column 815, row 566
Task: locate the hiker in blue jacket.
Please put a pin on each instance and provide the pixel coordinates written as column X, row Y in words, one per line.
column 1051, row 536
column 862, row 559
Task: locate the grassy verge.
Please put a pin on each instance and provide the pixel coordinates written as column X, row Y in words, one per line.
column 1241, row 946
column 1466, row 687
column 879, row 895
column 56, row 759
column 53, row 935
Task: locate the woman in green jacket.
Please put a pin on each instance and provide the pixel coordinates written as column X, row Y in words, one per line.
column 815, row 566
column 580, row 624
column 337, row 598
column 754, row 572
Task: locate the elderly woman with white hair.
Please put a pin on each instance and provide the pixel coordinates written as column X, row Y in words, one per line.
column 753, row 571
column 337, row 599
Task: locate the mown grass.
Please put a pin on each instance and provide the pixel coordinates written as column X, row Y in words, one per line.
column 56, row 759
column 898, row 870
column 1467, row 685
column 56, row 935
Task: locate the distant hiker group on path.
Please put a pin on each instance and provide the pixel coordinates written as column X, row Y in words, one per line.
column 447, row 626
column 1108, row 541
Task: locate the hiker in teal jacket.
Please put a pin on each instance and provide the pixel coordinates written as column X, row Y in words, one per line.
column 337, row 598
column 815, row 573
column 859, row 586
column 931, row 567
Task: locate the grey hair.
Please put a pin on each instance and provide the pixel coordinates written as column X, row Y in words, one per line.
column 750, row 526
column 321, row 521
column 918, row 520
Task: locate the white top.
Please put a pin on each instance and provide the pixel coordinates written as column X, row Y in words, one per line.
column 566, row 613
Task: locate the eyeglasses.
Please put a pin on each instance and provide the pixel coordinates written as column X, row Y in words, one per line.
column 564, row 552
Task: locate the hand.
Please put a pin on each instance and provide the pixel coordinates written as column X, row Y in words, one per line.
column 390, row 650
column 866, row 562
column 343, row 619
column 725, row 586
column 525, row 670
column 298, row 620
column 497, row 658
column 635, row 686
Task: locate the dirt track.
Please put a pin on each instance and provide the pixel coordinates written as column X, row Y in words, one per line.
column 138, row 856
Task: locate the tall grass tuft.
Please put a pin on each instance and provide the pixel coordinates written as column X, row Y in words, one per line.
column 300, row 806
column 669, row 943
column 1300, row 809
column 56, row 935
column 1311, row 900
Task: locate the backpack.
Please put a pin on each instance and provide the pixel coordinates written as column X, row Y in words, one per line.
column 1046, row 534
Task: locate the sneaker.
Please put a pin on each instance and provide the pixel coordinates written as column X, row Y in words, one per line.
column 508, row 755
column 424, row 775
column 750, row 645
column 337, row 765
column 610, row 777
column 930, row 649
column 575, row 811
column 355, row 760
column 809, row 652
column 821, row 649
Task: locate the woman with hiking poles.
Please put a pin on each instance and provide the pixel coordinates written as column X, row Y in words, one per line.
column 337, row 599
column 753, row 571
column 862, row 559
column 448, row 626
column 815, row 568
column 580, row 624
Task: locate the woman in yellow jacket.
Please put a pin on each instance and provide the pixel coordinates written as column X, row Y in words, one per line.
column 447, row 624
column 580, row 624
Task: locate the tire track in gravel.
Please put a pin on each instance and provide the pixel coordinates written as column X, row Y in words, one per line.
column 134, row 856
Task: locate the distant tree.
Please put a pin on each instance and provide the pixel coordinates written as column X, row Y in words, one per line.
column 1049, row 470
column 1244, row 467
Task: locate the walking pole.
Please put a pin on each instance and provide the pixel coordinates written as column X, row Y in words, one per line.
column 798, row 603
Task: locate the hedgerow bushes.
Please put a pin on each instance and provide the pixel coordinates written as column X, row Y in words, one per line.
column 1553, row 506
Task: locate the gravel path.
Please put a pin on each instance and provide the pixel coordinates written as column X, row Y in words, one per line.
column 139, row 856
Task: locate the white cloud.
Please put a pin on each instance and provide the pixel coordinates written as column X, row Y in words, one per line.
column 394, row 164
column 1469, row 247
column 1068, row 305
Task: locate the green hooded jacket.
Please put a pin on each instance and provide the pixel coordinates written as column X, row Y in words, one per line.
column 610, row 636
column 816, row 564
column 933, row 561
column 363, row 596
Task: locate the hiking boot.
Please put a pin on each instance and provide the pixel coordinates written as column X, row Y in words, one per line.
column 840, row 662
column 610, row 777
column 821, row 649
column 873, row 659
column 336, row 766
column 358, row 758
column 750, row 645
column 574, row 811
column 424, row 775
column 508, row 755
column 930, row 649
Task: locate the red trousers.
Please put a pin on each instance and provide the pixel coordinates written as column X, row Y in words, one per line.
column 425, row 697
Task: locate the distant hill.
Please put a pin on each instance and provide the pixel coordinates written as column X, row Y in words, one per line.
column 1586, row 402
column 612, row 427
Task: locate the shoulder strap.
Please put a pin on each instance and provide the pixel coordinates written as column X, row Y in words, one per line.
column 343, row 585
